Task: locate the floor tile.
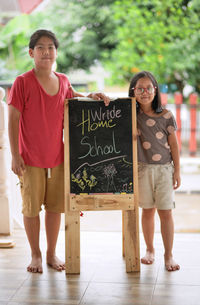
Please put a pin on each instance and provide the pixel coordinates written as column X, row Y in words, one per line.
column 184, row 276
column 117, row 294
column 51, row 291
column 10, row 282
column 176, row 295
column 111, row 273
column 103, row 279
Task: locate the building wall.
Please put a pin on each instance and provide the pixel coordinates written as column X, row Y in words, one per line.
column 27, row 6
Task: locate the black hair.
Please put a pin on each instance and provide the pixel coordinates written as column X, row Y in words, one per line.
column 42, row 33
column 156, row 103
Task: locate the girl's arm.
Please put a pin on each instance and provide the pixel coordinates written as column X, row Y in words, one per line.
column 172, row 141
column 18, row 165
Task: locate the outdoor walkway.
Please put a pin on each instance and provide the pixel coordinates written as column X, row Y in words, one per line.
column 187, row 212
column 103, row 279
column 186, row 217
column 190, row 175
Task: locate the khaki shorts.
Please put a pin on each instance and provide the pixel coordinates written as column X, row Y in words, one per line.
column 42, row 186
column 155, row 183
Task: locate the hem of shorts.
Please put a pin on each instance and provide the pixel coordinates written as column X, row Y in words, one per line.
column 146, row 164
column 54, row 165
column 162, row 209
column 28, row 215
column 54, row 211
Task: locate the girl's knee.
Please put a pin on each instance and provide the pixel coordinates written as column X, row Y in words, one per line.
column 148, row 212
column 165, row 214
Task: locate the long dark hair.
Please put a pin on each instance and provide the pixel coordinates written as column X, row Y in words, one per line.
column 156, row 103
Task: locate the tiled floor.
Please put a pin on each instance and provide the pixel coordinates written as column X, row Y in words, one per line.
column 103, row 279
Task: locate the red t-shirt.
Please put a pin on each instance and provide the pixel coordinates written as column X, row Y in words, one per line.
column 41, row 121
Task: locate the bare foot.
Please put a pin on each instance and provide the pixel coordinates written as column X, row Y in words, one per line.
column 55, row 263
column 35, row 265
column 148, row 259
column 171, row 265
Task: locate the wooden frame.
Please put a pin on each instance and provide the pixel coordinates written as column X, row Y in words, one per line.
column 128, row 203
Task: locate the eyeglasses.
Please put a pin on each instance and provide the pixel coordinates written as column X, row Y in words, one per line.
column 149, row 90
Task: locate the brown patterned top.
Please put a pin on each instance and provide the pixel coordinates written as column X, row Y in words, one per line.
column 153, row 135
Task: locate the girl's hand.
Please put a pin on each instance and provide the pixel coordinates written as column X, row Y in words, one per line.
column 95, row 96
column 100, row 96
column 176, row 180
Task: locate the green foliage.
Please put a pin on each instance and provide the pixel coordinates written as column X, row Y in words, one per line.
column 159, row 36
column 85, row 32
column 184, row 55
column 14, row 57
column 126, row 36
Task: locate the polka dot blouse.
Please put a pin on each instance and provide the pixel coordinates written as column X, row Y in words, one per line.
column 152, row 141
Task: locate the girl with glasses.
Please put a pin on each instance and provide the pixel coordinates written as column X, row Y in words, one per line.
column 158, row 165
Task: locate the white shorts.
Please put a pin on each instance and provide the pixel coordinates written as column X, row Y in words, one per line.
column 155, row 183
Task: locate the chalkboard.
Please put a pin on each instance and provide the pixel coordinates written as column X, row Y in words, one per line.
column 100, row 147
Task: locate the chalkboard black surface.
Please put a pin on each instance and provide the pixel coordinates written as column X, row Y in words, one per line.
column 100, row 145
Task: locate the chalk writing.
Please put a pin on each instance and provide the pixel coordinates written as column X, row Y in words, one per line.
column 104, row 119
column 101, row 147
column 96, row 150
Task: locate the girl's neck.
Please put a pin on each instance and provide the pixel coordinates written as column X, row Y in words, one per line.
column 147, row 109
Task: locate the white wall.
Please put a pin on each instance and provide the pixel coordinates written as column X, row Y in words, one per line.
column 5, row 210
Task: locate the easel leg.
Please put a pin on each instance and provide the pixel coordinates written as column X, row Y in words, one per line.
column 72, row 242
column 123, row 237
column 131, row 241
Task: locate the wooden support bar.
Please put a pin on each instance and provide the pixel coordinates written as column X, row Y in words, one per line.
column 130, row 219
column 72, row 219
column 123, row 237
column 72, row 242
column 131, row 240
column 101, row 202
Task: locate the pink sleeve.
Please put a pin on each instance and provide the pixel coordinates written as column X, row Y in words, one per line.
column 69, row 91
column 16, row 96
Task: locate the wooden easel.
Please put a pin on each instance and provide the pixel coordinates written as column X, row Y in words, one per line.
column 128, row 203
